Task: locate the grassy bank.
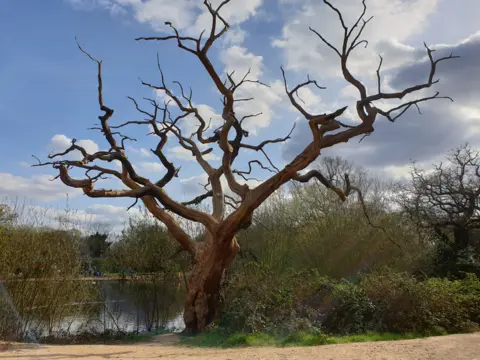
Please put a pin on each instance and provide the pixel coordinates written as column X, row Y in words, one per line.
column 226, row 340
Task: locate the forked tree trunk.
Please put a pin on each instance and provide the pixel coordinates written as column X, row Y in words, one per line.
column 203, row 286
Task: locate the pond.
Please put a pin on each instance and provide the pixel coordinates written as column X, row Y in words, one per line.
column 43, row 308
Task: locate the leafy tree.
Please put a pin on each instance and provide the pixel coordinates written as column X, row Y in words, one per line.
column 97, row 244
column 143, row 247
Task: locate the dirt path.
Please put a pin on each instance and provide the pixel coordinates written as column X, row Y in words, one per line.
column 461, row 347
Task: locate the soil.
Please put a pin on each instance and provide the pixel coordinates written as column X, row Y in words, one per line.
column 460, row 347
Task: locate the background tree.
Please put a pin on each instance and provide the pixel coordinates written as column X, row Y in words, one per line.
column 306, row 227
column 97, row 244
column 447, row 200
column 218, row 247
column 144, row 247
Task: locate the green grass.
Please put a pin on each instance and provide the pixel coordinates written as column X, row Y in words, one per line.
column 219, row 338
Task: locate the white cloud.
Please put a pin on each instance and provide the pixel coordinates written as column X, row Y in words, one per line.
column 60, row 143
column 310, row 101
column 104, row 216
column 145, row 152
column 113, row 216
column 239, row 59
column 212, row 119
column 163, row 98
column 181, row 153
column 112, row 7
column 190, row 124
column 234, row 36
column 35, row 215
column 151, row 167
column 210, row 115
column 398, row 172
column 470, row 117
column 142, row 152
column 424, row 137
column 234, row 13
column 190, row 16
column 394, row 22
column 36, row 187
column 264, row 98
column 194, row 185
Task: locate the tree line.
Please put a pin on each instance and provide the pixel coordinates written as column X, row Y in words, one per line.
column 307, row 261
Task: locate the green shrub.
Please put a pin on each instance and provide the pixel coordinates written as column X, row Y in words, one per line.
column 407, row 305
column 351, row 310
column 254, row 306
column 301, row 302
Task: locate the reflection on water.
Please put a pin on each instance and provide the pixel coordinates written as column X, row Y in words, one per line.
column 95, row 306
column 126, row 323
column 140, row 306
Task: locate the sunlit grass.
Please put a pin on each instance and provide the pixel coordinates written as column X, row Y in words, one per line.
column 218, row 338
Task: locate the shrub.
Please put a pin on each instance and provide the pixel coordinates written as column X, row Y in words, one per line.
column 251, row 306
column 258, row 300
column 407, row 305
column 351, row 310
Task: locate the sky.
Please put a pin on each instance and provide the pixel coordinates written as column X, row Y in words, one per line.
column 48, row 87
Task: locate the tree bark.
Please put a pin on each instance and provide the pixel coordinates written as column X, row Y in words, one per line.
column 203, row 285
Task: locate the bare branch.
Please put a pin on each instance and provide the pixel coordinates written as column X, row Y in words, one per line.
column 197, row 200
column 401, row 94
column 349, row 188
column 404, row 107
column 249, row 171
column 266, row 142
column 320, row 177
column 378, row 74
column 180, row 39
column 294, row 91
column 215, row 15
column 248, row 117
column 87, row 185
column 343, row 194
column 134, row 203
column 325, row 41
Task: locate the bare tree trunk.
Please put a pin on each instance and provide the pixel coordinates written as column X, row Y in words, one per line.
column 203, row 292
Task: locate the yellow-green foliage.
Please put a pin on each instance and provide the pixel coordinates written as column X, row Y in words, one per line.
column 38, row 268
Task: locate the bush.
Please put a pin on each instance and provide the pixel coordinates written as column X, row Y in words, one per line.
column 144, row 247
column 36, row 270
column 258, row 300
column 351, row 310
column 407, row 305
column 254, row 306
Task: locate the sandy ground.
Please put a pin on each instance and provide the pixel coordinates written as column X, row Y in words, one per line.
column 460, row 347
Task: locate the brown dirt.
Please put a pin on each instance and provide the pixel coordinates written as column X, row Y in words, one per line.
column 460, row 347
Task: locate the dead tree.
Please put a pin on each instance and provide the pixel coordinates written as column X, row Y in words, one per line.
column 447, row 201
column 218, row 247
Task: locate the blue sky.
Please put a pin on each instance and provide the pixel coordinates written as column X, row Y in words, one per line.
column 48, row 87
